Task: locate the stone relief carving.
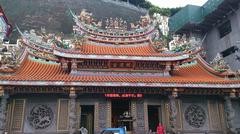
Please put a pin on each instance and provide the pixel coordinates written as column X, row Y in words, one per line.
column 230, row 114
column 72, row 115
column 41, row 117
column 195, row 116
column 173, row 112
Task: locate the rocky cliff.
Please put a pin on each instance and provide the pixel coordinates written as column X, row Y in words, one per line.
column 54, row 14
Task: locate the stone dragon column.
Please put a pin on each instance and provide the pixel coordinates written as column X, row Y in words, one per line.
column 3, row 110
column 173, row 111
column 229, row 114
column 73, row 112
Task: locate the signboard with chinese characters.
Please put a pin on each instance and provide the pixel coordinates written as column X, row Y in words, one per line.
column 123, row 95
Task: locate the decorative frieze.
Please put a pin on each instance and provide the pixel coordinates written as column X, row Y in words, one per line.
column 210, row 86
column 149, row 65
column 195, row 116
column 41, row 117
column 92, row 64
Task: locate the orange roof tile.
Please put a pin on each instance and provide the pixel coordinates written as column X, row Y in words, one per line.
column 36, row 71
column 137, row 50
column 110, row 50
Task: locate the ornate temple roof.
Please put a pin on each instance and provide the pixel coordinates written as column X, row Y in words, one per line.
column 35, row 72
column 110, row 40
column 49, row 60
column 136, row 52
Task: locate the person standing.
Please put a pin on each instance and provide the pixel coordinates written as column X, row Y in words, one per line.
column 160, row 129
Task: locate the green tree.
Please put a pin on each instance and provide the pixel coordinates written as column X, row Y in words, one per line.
column 154, row 9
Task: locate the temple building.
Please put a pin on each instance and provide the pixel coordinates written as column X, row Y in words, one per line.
column 115, row 74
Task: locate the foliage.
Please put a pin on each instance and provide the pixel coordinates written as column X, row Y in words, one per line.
column 154, row 9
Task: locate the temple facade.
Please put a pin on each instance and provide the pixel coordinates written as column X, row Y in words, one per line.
column 115, row 74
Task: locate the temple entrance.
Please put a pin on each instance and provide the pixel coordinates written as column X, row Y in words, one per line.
column 154, row 117
column 121, row 115
column 87, row 118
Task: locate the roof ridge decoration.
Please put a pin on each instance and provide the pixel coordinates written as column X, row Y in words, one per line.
column 219, row 68
column 147, row 31
column 219, row 64
column 111, row 24
column 115, row 30
column 143, row 43
column 39, row 43
column 181, row 43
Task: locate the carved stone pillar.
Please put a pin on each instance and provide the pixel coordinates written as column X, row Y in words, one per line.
column 72, row 112
column 230, row 114
column 3, row 110
column 173, row 113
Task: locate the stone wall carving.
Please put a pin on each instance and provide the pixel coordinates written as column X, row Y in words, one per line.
column 140, row 117
column 230, row 114
column 195, row 116
column 51, row 101
column 41, row 117
column 102, row 115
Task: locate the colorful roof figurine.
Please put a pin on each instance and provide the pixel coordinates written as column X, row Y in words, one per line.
column 115, row 54
column 5, row 27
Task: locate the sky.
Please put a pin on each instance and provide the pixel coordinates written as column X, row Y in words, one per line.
column 176, row 3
